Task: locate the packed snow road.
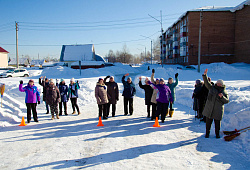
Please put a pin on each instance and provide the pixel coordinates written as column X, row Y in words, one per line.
column 125, row 142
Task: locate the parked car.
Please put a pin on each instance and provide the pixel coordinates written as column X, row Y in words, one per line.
column 15, row 73
column 186, row 68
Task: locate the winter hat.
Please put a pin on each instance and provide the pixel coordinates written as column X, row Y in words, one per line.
column 52, row 81
column 112, row 77
column 198, row 81
column 73, row 80
column 162, row 80
column 220, row 81
column 157, row 79
column 130, row 78
column 170, row 78
column 100, row 79
column 62, row 80
column 31, row 80
column 46, row 79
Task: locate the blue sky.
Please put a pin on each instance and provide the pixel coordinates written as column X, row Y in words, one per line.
column 46, row 25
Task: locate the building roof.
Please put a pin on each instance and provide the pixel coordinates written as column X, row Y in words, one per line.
column 24, row 61
column 3, row 50
column 213, row 8
column 99, row 58
column 78, row 53
column 37, row 62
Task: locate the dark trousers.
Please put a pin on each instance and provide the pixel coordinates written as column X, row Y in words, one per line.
column 162, row 110
column 54, row 109
column 154, row 106
column 113, row 109
column 60, row 107
column 171, row 106
column 148, row 110
column 130, row 102
column 102, row 110
column 209, row 123
column 47, row 107
column 74, row 104
column 31, row 106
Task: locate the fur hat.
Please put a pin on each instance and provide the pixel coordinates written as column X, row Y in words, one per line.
column 198, row 81
column 72, row 80
column 220, row 81
column 162, row 79
column 52, row 81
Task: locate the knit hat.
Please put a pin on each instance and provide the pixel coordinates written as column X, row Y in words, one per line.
column 100, row 79
column 112, row 77
column 62, row 80
column 170, row 78
column 156, row 79
column 198, row 81
column 130, row 78
column 46, row 79
column 51, row 81
column 31, row 80
column 73, row 80
column 162, row 80
column 220, row 81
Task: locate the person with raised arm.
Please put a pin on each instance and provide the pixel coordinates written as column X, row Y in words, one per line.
column 214, row 108
column 32, row 99
column 73, row 95
column 163, row 98
column 128, row 93
column 41, row 82
column 148, row 95
column 172, row 85
column 154, row 95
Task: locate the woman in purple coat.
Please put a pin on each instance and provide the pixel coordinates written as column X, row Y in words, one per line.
column 31, row 99
column 163, row 98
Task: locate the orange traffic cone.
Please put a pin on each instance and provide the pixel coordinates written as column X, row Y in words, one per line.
column 156, row 123
column 100, row 122
column 23, row 122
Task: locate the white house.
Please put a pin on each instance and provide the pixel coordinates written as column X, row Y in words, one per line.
column 3, row 58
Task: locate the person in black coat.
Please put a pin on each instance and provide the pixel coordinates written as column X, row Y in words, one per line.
column 199, row 98
column 41, row 80
column 128, row 93
column 63, row 88
column 148, row 95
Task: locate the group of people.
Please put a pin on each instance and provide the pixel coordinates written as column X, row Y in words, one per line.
column 209, row 98
column 159, row 95
column 54, row 94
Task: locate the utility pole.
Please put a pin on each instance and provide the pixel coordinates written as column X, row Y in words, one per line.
column 151, row 52
column 17, row 60
column 199, row 48
column 145, row 53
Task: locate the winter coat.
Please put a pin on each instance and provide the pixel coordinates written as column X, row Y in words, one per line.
column 63, row 88
column 199, row 97
column 129, row 89
column 164, row 95
column 172, row 88
column 73, row 90
column 32, row 93
column 101, row 94
column 148, row 93
column 53, row 96
column 155, row 90
column 44, row 84
column 214, row 108
column 113, row 91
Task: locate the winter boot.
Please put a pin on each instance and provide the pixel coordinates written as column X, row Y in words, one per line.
column 66, row 113
column 167, row 113
column 74, row 112
column 79, row 113
column 148, row 115
column 52, row 118
column 171, row 112
column 57, row 116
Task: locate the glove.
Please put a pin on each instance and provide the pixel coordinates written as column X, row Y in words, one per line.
column 38, row 102
column 108, row 76
column 21, row 82
column 176, row 75
column 153, row 70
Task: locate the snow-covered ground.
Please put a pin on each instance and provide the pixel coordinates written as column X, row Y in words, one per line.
column 125, row 142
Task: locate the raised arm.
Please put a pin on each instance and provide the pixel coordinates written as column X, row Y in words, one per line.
column 105, row 79
column 21, row 89
column 205, row 79
column 153, row 76
column 176, row 80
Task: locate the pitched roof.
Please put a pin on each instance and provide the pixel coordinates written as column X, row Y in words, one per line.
column 3, row 50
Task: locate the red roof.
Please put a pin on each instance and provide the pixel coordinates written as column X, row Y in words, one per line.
column 3, row 50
